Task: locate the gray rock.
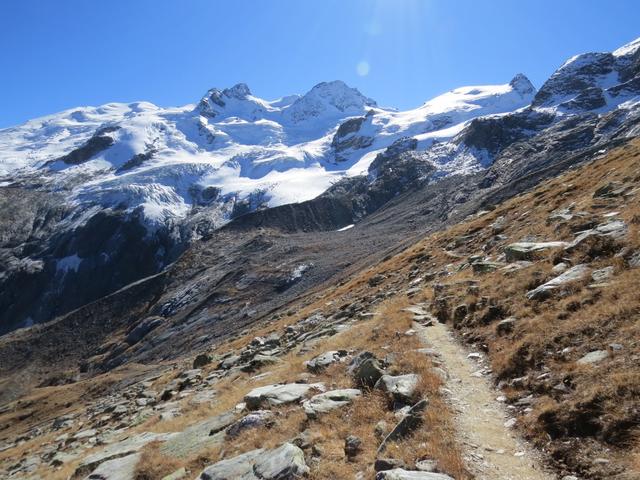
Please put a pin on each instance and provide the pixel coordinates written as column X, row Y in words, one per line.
column 602, row 274
column 199, row 436
column 560, row 268
column 402, row 474
column 352, row 446
column 283, row 463
column 401, row 388
column 202, row 360
column 235, row 468
column 121, row 468
column 319, row 363
column 486, row 266
column 426, row 465
column 529, row 250
column 506, row 326
column 229, row 362
column 259, row 361
column 611, row 230
column 593, row 357
column 279, row 394
column 411, row 421
column 325, row 402
column 634, row 260
column 255, row 419
column 573, row 274
column 384, row 464
column 365, row 369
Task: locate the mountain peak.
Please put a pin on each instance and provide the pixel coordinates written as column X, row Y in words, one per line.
column 522, row 84
column 329, row 98
column 340, row 94
column 239, row 91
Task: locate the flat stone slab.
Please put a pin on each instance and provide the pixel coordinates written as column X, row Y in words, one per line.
column 528, row 250
column 199, row 436
column 573, row 274
column 123, row 448
column 325, row 402
column 283, row 463
column 401, row 474
column 121, row 468
column 279, row 394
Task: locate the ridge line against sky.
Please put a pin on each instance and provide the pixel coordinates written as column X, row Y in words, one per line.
column 401, row 53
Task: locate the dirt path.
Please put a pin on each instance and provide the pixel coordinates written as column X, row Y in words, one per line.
column 492, row 450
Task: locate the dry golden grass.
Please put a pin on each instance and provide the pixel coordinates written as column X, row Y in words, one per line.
column 154, row 465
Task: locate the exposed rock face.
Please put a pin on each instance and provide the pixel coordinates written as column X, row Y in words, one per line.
column 347, row 136
column 101, row 140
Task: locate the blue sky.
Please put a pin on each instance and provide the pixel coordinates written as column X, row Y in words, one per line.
column 65, row 53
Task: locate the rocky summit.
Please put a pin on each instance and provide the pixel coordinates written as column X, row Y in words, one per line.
column 321, row 287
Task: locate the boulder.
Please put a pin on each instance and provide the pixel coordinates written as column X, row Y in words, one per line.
column 529, row 250
column 352, row 446
column 505, row 326
column 255, row 419
column 593, row 357
column 402, row 474
column 410, row 421
column 259, row 361
column 322, row 361
column 283, row 463
column 202, row 360
column 325, row 402
column 609, row 231
column 602, row 274
column 572, row 275
column 401, row 388
column 279, row 394
column 239, row 467
column 365, row 369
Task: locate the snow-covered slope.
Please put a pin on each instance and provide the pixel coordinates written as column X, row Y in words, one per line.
column 237, row 152
column 231, row 147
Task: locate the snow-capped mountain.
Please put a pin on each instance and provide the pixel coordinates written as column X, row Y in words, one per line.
column 232, row 146
column 122, row 189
